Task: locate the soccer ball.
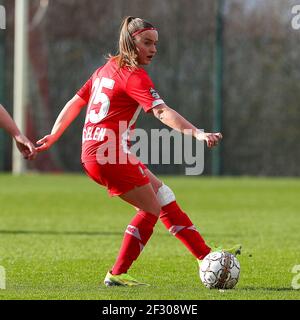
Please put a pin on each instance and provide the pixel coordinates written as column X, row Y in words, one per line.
column 220, row 270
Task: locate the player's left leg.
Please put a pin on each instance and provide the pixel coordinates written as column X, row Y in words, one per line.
column 177, row 221
column 172, row 217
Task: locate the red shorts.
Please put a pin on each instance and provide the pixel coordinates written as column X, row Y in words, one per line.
column 117, row 178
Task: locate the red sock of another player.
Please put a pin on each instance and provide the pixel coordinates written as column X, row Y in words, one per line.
column 136, row 236
column 180, row 225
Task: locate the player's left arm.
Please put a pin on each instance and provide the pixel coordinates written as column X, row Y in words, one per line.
column 174, row 120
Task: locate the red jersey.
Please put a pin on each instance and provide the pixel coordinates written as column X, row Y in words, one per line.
column 115, row 97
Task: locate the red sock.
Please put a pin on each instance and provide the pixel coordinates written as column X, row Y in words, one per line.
column 180, row 225
column 136, row 236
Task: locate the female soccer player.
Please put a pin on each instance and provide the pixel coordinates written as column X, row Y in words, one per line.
column 24, row 145
column 115, row 94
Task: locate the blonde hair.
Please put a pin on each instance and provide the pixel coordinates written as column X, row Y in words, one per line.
column 127, row 55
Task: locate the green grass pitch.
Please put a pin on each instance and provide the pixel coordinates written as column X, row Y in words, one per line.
column 61, row 233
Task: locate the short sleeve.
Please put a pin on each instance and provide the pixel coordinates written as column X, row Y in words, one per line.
column 140, row 88
column 85, row 91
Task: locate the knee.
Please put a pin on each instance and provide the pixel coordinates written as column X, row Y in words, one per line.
column 165, row 195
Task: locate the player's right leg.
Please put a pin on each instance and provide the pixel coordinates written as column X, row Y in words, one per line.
column 130, row 183
column 123, row 279
column 143, row 198
column 137, row 234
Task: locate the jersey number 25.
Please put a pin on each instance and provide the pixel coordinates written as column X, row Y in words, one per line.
column 99, row 98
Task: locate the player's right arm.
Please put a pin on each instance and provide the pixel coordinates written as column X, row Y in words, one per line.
column 64, row 119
